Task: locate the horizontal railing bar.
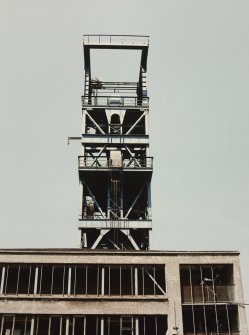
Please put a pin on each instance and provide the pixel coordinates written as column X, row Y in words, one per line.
column 114, row 96
column 88, row 35
column 102, row 162
column 139, row 40
column 120, row 82
column 114, row 101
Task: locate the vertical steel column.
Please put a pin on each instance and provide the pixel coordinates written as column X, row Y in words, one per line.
column 32, row 327
column 49, row 326
column 102, row 280
column 2, row 280
column 215, row 306
column 36, row 279
column 136, row 281
column 149, row 210
column 102, row 326
column 109, row 200
column 121, row 200
column 6, row 280
column 69, row 281
column 136, row 326
column 84, row 326
column 203, row 301
column 228, row 321
column 18, row 276
column 13, row 325
column 83, row 131
column 81, row 200
column 192, row 299
column 2, row 322
column 67, row 326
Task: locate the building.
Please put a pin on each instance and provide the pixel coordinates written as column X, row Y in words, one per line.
column 114, row 284
column 96, row 292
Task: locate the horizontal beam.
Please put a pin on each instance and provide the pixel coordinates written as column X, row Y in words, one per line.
column 115, row 139
column 108, row 224
column 112, row 168
column 133, row 306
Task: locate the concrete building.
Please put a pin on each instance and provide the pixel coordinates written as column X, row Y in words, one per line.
column 74, row 291
column 114, row 284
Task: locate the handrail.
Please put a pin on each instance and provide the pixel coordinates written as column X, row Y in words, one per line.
column 116, row 35
column 112, row 39
column 114, row 101
column 104, row 162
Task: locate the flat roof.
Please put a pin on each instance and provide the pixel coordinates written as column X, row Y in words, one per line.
column 78, row 251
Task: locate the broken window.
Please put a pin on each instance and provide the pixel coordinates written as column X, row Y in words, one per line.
column 207, row 283
column 15, row 325
column 151, row 280
column 207, row 292
column 1, row 278
column 206, row 319
column 7, row 325
column 83, row 325
column 76, row 280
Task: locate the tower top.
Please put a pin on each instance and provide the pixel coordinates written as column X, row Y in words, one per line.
column 116, row 41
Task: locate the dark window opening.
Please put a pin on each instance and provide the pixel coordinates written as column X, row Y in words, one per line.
column 12, row 278
column 55, row 325
column 115, row 126
column 80, row 287
column 42, row 325
column 126, row 281
column 46, row 279
column 58, row 279
column 24, row 279
column 79, row 325
column 93, row 280
column 115, row 281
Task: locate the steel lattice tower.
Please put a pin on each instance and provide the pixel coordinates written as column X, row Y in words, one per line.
column 115, row 167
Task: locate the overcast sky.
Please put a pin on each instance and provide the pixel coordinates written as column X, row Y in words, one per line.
column 198, row 80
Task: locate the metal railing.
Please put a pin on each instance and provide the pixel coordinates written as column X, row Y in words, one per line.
column 103, row 162
column 114, row 101
column 142, row 40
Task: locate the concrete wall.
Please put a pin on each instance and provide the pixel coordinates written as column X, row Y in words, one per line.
column 170, row 304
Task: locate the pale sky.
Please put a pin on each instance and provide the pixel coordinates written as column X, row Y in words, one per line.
column 198, row 78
